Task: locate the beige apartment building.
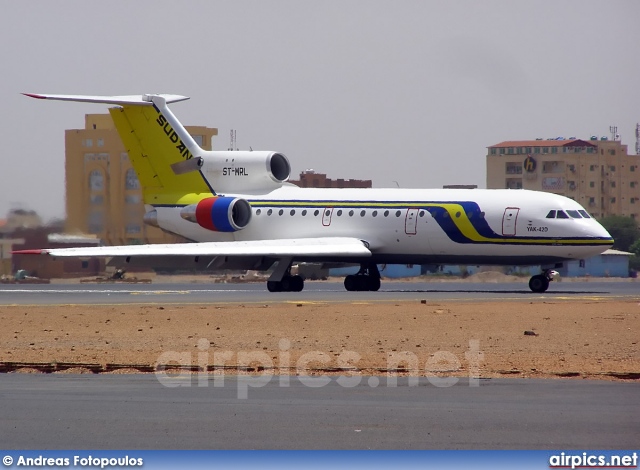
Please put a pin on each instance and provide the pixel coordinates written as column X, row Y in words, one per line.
column 599, row 174
column 103, row 195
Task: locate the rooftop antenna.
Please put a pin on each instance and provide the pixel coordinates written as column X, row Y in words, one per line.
column 614, row 132
column 638, row 139
column 232, row 141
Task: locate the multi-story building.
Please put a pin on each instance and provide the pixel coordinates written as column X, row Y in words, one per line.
column 103, row 195
column 311, row 179
column 599, row 174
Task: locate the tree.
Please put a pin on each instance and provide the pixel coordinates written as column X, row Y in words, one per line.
column 635, row 248
column 624, row 231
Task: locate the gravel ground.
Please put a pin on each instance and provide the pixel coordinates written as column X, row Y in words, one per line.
column 588, row 339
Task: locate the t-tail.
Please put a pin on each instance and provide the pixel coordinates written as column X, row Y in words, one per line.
column 165, row 157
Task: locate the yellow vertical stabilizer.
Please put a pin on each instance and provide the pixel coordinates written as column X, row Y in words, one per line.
column 154, row 146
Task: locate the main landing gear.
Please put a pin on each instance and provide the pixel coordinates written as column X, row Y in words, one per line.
column 367, row 279
column 540, row 282
column 281, row 279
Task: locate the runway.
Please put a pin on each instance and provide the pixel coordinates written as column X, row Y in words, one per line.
column 171, row 293
column 138, row 412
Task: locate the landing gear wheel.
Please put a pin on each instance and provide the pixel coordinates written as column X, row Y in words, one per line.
column 297, row 283
column 350, row 283
column 361, row 282
column 274, row 286
column 539, row 283
column 374, row 284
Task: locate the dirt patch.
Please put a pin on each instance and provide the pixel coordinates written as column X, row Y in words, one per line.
column 564, row 338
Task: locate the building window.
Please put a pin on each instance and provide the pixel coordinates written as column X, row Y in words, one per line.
column 501, row 151
column 512, row 168
column 96, row 199
column 613, row 184
column 592, row 184
column 513, row 183
column 554, row 149
column 87, row 143
column 582, row 263
column 132, row 229
column 612, row 168
column 131, row 180
column 632, row 168
column 95, row 222
column 613, row 200
column 612, row 151
column 132, row 198
column 492, row 151
column 100, row 142
column 536, row 150
column 552, row 167
column 96, row 181
column 633, row 184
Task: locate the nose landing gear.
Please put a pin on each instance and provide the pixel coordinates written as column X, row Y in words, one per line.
column 367, row 279
column 281, row 279
column 540, row 282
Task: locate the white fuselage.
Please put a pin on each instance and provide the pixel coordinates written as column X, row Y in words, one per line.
column 418, row 225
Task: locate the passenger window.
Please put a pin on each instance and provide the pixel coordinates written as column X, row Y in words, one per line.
column 561, row 215
column 551, row 215
column 574, row 214
column 585, row 214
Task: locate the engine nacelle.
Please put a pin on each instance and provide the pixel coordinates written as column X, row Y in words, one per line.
column 243, row 171
column 219, row 214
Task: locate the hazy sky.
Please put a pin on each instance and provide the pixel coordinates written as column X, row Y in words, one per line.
column 407, row 91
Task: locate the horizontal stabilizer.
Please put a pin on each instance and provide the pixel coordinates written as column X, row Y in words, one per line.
column 305, row 247
column 142, row 100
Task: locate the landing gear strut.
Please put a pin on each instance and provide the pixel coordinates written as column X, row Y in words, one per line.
column 282, row 281
column 367, row 279
column 540, row 282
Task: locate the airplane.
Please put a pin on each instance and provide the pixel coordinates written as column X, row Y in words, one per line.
column 240, row 212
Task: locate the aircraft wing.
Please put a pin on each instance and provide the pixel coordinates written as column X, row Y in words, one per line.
column 297, row 247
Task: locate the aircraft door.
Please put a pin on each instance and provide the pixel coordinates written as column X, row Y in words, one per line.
column 509, row 219
column 326, row 216
column 411, row 221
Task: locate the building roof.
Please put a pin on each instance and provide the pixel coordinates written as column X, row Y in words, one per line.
column 69, row 238
column 544, row 143
column 617, row 252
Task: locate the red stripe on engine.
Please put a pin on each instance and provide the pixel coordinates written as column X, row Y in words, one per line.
column 203, row 213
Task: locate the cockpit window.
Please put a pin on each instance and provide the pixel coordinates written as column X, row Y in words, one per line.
column 561, row 215
column 574, row 214
column 551, row 215
column 585, row 214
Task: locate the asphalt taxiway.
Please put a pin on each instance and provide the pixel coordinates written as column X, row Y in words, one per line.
column 141, row 412
column 185, row 293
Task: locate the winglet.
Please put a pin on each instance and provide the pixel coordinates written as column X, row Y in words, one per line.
column 30, row 252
